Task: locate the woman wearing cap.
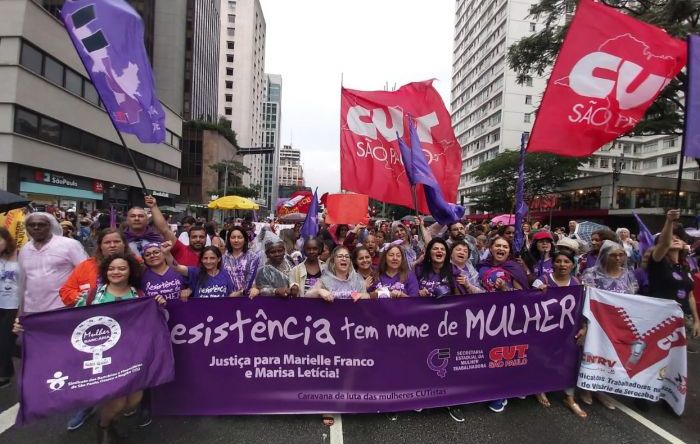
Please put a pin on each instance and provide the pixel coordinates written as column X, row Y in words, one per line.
column 669, row 273
column 465, row 276
column 434, row 275
column 240, row 262
column 539, row 259
column 339, row 280
column 562, row 276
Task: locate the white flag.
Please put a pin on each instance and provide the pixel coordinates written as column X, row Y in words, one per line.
column 635, row 346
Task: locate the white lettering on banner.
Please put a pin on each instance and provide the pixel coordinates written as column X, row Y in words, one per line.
column 379, row 122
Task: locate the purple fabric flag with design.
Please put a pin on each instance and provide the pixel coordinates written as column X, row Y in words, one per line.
column 646, row 239
column 108, row 35
column 419, row 172
column 98, row 353
column 520, row 205
column 691, row 138
column 310, row 227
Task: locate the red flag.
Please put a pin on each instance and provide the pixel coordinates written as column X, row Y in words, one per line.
column 370, row 160
column 347, row 209
column 611, row 67
column 300, row 202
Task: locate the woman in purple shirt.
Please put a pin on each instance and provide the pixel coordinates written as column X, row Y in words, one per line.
column 159, row 278
column 240, row 263
column 207, row 280
column 435, row 273
column 395, row 279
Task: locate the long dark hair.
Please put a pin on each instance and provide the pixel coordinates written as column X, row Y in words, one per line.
column 134, row 268
column 241, row 230
column 445, row 270
column 203, row 275
column 10, row 244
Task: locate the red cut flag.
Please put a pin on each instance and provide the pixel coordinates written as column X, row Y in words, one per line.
column 610, row 68
column 370, row 160
column 347, row 209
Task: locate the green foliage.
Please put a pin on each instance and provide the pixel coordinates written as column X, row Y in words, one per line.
column 535, row 54
column 238, row 190
column 544, row 173
column 223, row 127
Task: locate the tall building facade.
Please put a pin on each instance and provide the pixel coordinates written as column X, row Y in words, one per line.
column 57, row 145
column 490, row 110
column 201, row 88
column 242, row 78
column 272, row 123
column 291, row 173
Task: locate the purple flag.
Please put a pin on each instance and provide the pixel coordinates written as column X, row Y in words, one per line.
column 237, row 356
column 108, row 35
column 520, row 205
column 98, row 353
column 691, row 138
column 646, row 239
column 310, row 227
column 419, row 172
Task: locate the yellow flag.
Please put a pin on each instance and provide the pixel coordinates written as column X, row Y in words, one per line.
column 13, row 220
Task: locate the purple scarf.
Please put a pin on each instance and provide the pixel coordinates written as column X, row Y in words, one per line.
column 150, row 235
column 512, row 267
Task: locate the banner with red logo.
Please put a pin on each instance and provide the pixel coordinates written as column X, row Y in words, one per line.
column 370, row 160
column 610, row 69
column 635, row 346
column 298, row 202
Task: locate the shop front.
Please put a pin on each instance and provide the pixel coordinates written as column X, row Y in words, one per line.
column 49, row 189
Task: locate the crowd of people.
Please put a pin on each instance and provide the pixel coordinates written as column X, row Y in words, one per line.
column 80, row 260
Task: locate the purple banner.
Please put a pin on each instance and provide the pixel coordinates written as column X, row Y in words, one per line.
column 270, row 355
column 96, row 353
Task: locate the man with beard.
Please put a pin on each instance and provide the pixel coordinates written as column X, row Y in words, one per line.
column 457, row 232
column 187, row 255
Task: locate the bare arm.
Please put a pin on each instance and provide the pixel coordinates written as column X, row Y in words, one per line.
column 158, row 220
column 666, row 236
column 165, row 249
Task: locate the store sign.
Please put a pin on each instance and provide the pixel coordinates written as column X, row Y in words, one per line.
column 98, row 186
column 160, row 194
column 61, row 180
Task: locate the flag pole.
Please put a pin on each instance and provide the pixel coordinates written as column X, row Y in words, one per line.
column 685, row 129
column 520, row 199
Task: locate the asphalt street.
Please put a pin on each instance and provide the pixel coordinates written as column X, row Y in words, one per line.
column 524, row 421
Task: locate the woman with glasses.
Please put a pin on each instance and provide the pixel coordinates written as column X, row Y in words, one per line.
column 160, row 279
column 339, row 280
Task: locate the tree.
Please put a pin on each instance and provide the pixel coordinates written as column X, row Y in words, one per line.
column 535, row 54
column 236, row 170
column 223, row 127
column 252, row 192
column 390, row 211
column 544, row 173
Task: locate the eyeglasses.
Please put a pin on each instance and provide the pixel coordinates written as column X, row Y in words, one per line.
column 152, row 253
column 342, row 256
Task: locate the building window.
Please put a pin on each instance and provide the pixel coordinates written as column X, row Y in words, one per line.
column 26, row 123
column 604, row 163
column 229, row 45
column 526, row 117
column 229, row 84
column 49, row 130
column 669, row 160
column 229, row 58
column 31, row 58
column 53, row 70
column 231, row 32
column 528, row 81
column 533, row 27
column 228, row 111
column 232, row 18
column 528, row 100
column 74, row 82
column 229, row 71
column 229, row 97
column 669, row 143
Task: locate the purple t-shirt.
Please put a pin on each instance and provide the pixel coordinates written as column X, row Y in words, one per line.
column 219, row 286
column 168, row 285
column 410, row 287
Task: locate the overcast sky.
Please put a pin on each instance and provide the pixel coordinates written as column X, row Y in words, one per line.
column 372, row 42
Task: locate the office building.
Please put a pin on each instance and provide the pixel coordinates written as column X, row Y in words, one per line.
column 241, row 78
column 57, row 145
column 272, row 123
column 201, row 89
column 291, row 173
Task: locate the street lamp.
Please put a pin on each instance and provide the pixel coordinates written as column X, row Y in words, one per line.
column 618, row 166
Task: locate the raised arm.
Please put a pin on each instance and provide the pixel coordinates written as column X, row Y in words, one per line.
column 158, row 220
column 165, row 249
column 666, row 236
